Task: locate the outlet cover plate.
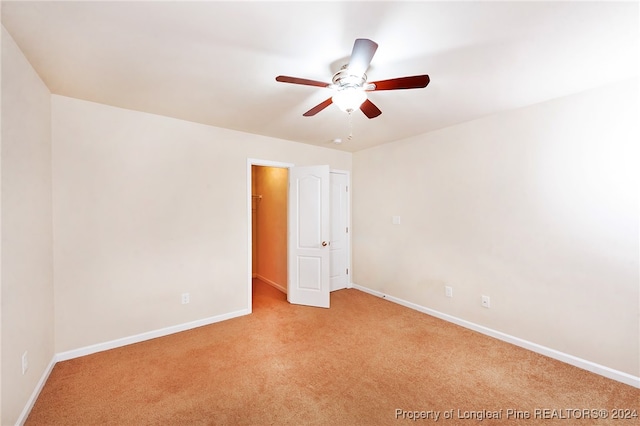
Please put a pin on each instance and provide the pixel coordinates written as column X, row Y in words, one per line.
column 486, row 301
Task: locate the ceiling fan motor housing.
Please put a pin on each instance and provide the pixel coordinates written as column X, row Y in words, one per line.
column 344, row 78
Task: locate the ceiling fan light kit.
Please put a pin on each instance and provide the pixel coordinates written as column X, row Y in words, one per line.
column 349, row 99
column 349, row 89
column 350, row 83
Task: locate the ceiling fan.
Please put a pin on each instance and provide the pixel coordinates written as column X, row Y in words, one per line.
column 351, row 86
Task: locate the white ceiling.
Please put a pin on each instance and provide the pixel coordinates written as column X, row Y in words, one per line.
column 216, row 62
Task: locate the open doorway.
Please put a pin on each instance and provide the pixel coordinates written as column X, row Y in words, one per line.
column 267, row 202
column 269, row 225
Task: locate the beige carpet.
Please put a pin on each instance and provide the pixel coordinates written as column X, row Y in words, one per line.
column 364, row 361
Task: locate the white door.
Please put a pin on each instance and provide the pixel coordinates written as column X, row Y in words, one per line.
column 339, row 248
column 309, row 234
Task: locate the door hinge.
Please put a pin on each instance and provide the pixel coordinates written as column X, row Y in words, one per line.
column 347, row 271
column 347, row 230
column 347, row 188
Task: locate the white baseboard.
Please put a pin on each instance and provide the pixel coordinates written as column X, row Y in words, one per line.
column 271, row 283
column 36, row 392
column 601, row 370
column 87, row 350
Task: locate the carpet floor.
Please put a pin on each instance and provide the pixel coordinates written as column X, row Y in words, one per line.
column 364, row 361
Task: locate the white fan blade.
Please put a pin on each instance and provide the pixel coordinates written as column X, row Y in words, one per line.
column 363, row 51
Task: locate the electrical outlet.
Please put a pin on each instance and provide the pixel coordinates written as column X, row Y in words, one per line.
column 395, row 220
column 25, row 363
column 486, row 301
column 185, row 298
column 448, row 291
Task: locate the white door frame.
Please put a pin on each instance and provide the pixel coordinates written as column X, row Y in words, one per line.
column 348, row 174
column 255, row 162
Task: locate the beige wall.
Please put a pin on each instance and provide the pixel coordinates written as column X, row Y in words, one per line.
column 536, row 207
column 146, row 208
column 271, row 224
column 27, row 276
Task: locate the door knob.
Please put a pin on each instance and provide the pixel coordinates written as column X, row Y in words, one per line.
column 324, row 244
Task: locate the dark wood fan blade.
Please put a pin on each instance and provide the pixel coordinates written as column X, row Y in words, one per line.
column 316, row 109
column 303, row 81
column 369, row 109
column 413, row 82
